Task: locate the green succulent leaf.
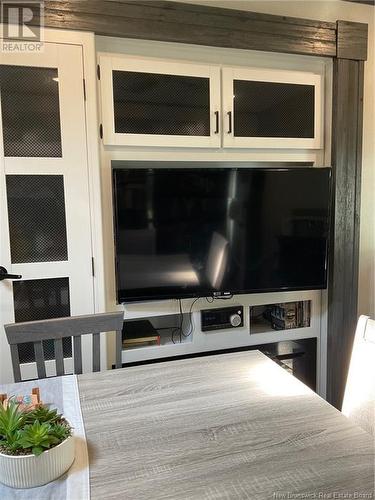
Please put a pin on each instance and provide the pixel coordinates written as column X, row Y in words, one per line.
column 43, row 414
column 37, row 435
column 12, row 419
column 37, row 450
column 60, row 431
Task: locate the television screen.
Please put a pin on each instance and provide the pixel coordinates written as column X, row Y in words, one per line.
column 187, row 232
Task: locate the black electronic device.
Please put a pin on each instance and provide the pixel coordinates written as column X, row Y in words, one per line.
column 221, row 319
column 203, row 232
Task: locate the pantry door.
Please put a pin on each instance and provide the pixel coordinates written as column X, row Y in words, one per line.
column 45, row 236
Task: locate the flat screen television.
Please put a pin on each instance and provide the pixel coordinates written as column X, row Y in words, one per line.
column 189, row 232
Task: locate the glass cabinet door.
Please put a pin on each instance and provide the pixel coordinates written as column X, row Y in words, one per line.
column 271, row 108
column 148, row 102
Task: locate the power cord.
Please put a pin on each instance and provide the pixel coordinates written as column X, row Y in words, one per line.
column 178, row 329
column 191, row 327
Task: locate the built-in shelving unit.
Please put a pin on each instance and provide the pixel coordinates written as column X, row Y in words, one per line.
column 255, row 331
column 295, row 352
column 224, row 70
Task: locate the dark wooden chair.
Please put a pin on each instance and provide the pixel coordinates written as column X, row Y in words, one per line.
column 57, row 330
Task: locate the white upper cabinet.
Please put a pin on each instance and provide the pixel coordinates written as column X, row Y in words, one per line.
column 147, row 102
column 265, row 108
column 150, row 102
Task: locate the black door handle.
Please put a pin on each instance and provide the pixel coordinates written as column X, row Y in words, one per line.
column 217, row 122
column 4, row 275
column 229, row 122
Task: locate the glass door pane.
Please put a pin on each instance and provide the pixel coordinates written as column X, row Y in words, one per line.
column 41, row 299
column 149, row 103
column 272, row 109
column 30, row 111
column 37, row 220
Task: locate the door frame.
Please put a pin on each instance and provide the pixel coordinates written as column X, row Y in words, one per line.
column 87, row 43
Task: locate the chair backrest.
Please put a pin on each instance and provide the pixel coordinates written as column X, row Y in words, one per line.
column 58, row 329
column 359, row 398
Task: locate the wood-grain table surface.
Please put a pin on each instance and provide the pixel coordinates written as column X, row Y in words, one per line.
column 232, row 426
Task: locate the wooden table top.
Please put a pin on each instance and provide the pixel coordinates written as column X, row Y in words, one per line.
column 232, row 426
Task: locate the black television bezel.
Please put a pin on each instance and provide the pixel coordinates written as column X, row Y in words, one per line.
column 124, row 299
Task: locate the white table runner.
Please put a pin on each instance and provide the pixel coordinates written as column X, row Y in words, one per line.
column 62, row 393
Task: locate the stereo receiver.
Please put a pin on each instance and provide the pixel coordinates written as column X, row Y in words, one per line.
column 221, row 319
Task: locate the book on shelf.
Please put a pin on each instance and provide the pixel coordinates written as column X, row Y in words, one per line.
column 285, row 316
column 141, row 341
column 306, row 313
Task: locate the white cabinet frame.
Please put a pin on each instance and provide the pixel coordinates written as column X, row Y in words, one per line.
column 278, row 76
column 109, row 63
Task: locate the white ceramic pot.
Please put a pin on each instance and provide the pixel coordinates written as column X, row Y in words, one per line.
column 28, row 471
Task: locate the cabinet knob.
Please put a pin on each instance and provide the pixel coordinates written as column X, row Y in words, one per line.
column 235, row 320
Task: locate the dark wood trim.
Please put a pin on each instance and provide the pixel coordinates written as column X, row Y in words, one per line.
column 352, row 40
column 348, row 78
column 212, row 26
column 193, row 24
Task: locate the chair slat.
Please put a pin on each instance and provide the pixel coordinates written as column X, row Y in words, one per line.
column 39, row 358
column 77, row 354
column 96, row 352
column 16, row 363
column 59, row 357
column 118, row 349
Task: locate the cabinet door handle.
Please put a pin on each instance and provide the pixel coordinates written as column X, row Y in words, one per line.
column 217, row 122
column 229, row 122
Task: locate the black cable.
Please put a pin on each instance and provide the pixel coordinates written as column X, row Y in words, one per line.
column 178, row 329
column 172, row 327
column 191, row 327
column 181, row 320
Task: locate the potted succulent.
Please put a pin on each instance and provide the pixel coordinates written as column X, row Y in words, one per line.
column 36, row 445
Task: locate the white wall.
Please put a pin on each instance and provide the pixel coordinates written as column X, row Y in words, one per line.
column 334, row 10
